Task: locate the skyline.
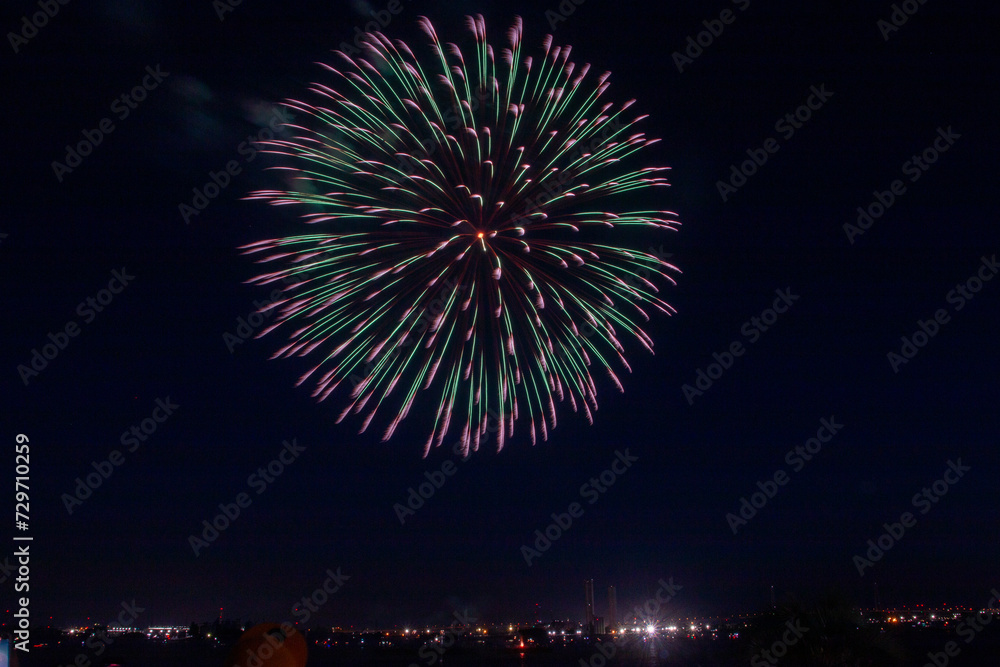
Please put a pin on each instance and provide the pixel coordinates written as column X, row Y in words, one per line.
column 819, row 414
column 639, row 621
column 658, row 608
column 889, row 635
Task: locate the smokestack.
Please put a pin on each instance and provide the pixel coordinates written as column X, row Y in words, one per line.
column 588, row 588
column 612, row 609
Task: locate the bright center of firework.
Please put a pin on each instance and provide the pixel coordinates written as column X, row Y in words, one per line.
column 479, row 235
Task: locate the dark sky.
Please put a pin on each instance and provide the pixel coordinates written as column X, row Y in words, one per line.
column 666, row 516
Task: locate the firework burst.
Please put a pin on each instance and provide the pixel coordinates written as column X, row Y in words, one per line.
column 467, row 210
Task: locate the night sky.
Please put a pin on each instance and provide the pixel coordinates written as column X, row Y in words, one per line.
column 822, row 368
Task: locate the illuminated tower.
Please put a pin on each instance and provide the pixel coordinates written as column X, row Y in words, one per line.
column 588, row 587
column 612, row 609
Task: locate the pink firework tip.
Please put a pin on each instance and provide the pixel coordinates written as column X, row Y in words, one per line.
column 515, row 32
column 428, row 27
column 477, row 25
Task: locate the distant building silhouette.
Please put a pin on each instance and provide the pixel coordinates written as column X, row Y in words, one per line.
column 612, row 608
column 588, row 588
